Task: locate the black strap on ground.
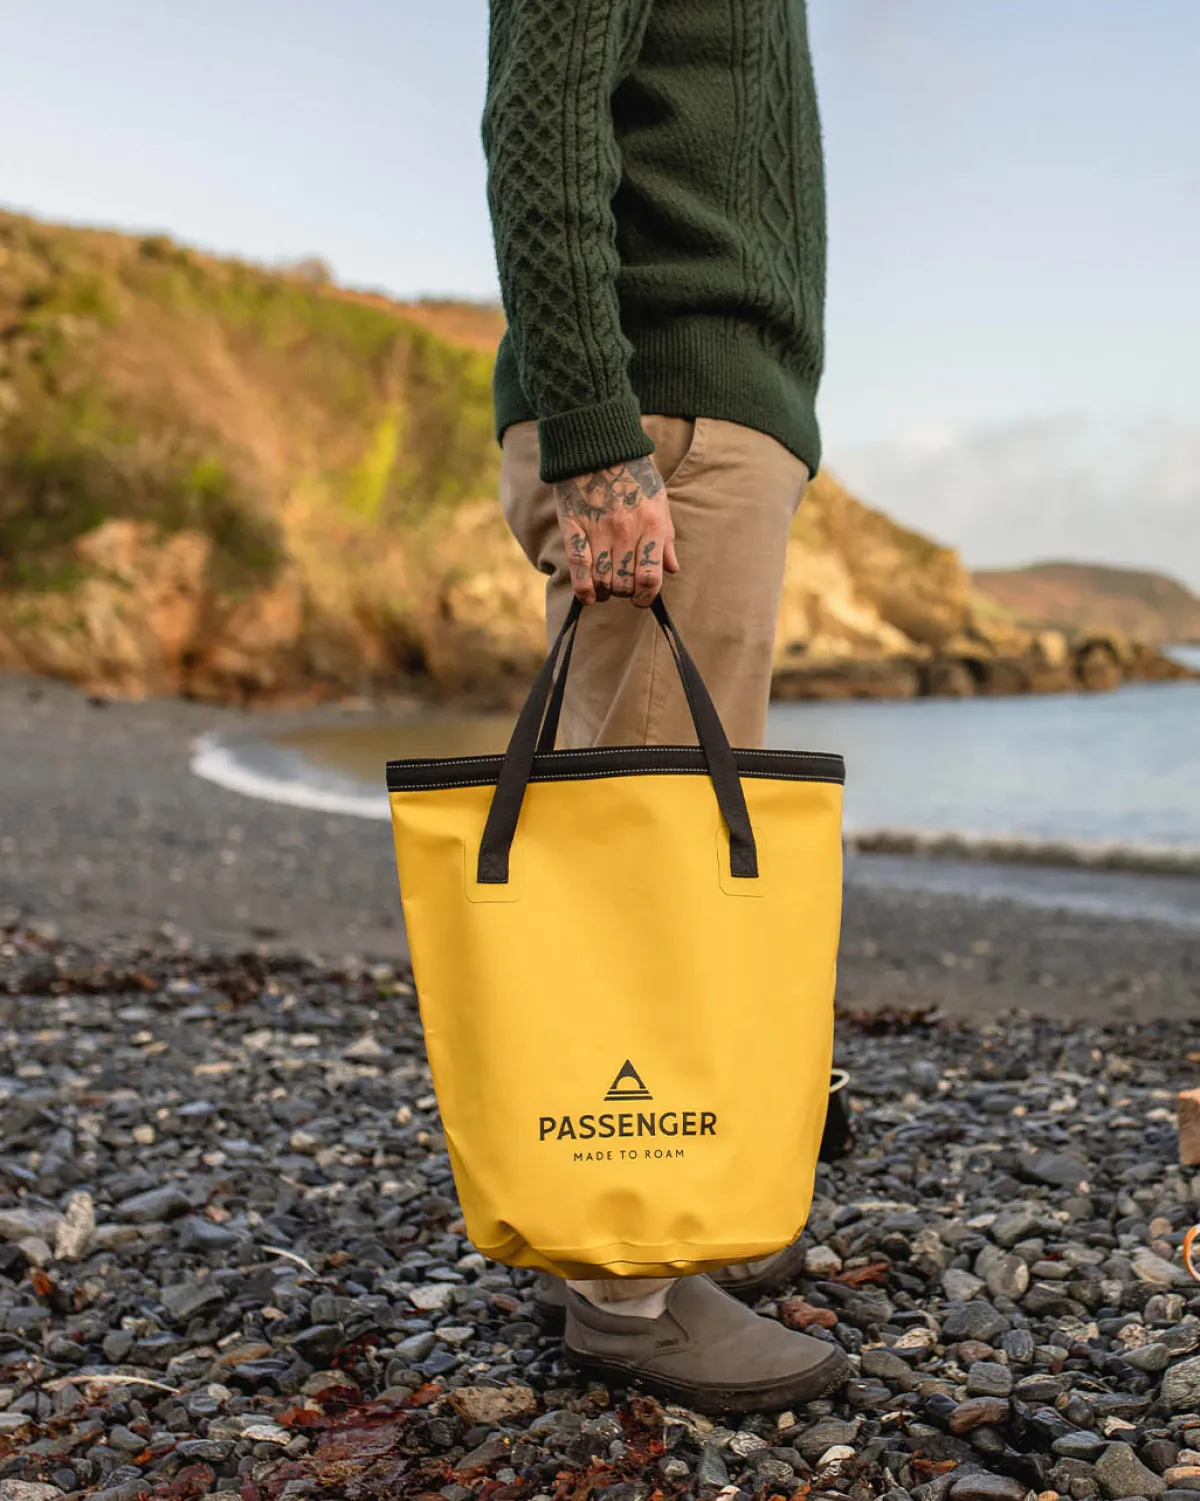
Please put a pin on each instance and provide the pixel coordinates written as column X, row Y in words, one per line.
column 537, row 726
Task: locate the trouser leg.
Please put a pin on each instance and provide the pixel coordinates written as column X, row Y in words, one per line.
column 733, row 492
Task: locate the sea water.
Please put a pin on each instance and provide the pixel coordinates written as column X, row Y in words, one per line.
column 1093, row 781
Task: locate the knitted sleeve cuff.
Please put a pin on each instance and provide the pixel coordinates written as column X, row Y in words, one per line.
column 592, row 438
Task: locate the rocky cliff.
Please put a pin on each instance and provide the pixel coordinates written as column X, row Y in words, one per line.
column 246, row 485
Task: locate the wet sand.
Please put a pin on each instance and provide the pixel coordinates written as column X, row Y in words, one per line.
column 105, row 833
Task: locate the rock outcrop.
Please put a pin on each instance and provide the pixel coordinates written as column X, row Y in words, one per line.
column 872, row 610
column 253, row 486
column 1084, row 598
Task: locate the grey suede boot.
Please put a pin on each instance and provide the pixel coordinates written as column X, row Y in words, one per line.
column 705, row 1350
column 748, row 1280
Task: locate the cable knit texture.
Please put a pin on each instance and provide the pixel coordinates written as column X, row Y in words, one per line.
column 656, row 187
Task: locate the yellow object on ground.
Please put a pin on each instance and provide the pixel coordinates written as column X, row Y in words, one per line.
column 1189, row 1242
column 625, row 959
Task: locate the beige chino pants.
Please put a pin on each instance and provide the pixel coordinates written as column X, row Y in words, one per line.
column 733, row 492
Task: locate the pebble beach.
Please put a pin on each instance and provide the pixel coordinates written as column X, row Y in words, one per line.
column 231, row 1259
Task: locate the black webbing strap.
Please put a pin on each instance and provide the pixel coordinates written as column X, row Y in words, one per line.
column 722, row 768
column 537, row 726
column 517, row 765
column 554, row 713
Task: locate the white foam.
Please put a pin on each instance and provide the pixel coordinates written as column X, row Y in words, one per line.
column 288, row 777
column 218, row 762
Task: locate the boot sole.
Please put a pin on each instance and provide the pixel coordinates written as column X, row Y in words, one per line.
column 770, row 1396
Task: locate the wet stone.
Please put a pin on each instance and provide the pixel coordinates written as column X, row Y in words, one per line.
column 1160, row 1454
column 184, row 1300
column 974, row 1320
column 1014, row 1224
column 888, row 1367
column 208, row 1450
column 1018, row 1345
column 960, row 1285
column 1055, row 1169
column 813, row 1442
column 711, row 1472
column 1121, row 1473
column 987, row 1379
column 1181, row 1386
column 988, row 1488
column 1078, row 1444
column 415, row 1347
column 155, row 1204
column 976, row 1412
column 1152, row 1357
column 774, row 1473
column 1008, row 1277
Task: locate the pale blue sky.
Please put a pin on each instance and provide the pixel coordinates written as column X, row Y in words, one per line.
column 1014, row 317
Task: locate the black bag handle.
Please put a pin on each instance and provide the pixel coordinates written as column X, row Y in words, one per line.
column 537, row 726
column 554, row 713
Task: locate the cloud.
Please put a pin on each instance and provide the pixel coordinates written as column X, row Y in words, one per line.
column 1061, row 486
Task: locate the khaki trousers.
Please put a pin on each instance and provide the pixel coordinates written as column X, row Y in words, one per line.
column 733, row 492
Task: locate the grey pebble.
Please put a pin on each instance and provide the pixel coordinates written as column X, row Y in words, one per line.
column 712, row 1471
column 988, row 1488
column 155, row 1204
column 975, row 1320
column 1181, row 1386
column 1078, row 1444
column 184, row 1300
column 988, row 1379
column 299, row 1242
column 1121, row 1473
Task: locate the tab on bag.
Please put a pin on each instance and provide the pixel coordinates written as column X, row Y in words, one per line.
column 631, row 1058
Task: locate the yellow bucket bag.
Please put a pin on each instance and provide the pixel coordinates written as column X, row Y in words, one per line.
column 625, row 961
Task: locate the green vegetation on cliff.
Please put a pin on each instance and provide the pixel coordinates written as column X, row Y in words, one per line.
column 150, row 394
column 245, row 484
column 142, row 380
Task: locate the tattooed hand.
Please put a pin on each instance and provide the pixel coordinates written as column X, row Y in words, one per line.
column 617, row 528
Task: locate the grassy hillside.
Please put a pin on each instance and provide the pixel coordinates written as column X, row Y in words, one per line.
column 1086, row 597
column 259, row 456
column 252, row 485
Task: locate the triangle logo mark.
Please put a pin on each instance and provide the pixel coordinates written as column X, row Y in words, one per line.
column 628, row 1085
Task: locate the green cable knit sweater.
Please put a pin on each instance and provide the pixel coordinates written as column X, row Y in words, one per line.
column 656, row 187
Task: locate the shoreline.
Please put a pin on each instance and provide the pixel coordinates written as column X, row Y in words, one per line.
column 106, row 833
column 1094, row 665
column 254, row 767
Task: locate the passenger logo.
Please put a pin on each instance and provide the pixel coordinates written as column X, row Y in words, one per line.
column 628, row 1085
